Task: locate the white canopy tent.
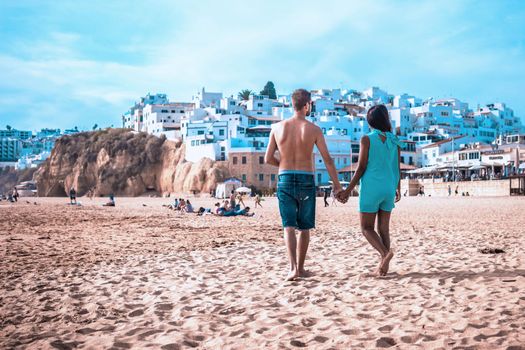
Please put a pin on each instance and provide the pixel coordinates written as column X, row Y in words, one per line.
column 225, row 188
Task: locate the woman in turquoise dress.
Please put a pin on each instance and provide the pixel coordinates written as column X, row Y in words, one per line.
column 378, row 174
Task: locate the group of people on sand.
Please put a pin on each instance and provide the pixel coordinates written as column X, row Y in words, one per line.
column 182, row 205
column 10, row 196
column 230, row 208
column 378, row 174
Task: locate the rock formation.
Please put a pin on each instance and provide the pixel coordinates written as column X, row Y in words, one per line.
column 124, row 163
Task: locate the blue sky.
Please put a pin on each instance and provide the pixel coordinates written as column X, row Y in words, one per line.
column 80, row 63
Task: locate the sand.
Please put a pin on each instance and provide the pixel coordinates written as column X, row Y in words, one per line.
column 140, row 276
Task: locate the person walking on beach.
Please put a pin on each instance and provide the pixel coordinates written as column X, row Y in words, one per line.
column 325, row 198
column 295, row 138
column 378, row 171
column 72, row 196
column 258, row 201
column 232, row 200
column 449, row 190
column 334, row 198
column 240, row 200
column 15, row 194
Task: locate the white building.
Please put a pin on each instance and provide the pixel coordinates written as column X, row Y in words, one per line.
column 205, row 99
column 165, row 119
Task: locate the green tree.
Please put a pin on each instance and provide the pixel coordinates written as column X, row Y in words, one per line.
column 269, row 90
column 8, row 127
column 245, row 94
column 95, row 127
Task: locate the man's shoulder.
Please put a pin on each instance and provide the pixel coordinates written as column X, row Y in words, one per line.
column 313, row 127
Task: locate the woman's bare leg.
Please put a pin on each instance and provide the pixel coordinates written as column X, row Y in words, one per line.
column 367, row 228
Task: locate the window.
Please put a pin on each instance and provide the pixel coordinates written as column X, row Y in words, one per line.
column 243, row 177
column 221, row 132
column 243, row 160
column 272, row 177
column 319, row 178
column 234, row 160
column 200, row 132
column 192, row 142
column 261, row 177
column 261, row 160
column 259, row 104
column 173, row 111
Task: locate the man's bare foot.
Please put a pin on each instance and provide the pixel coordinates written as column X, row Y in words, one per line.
column 292, row 275
column 385, row 263
column 304, row 273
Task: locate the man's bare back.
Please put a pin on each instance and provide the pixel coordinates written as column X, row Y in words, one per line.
column 295, row 139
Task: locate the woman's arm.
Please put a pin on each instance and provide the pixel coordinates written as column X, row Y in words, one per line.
column 362, row 162
column 361, row 168
column 398, row 192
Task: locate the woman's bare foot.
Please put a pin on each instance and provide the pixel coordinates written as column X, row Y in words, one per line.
column 385, row 263
column 304, row 273
column 292, row 275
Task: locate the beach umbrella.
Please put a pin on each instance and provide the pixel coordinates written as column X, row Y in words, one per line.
column 243, row 190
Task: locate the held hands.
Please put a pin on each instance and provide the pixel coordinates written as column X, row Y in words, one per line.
column 342, row 196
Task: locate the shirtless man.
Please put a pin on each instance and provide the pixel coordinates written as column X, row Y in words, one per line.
column 295, row 138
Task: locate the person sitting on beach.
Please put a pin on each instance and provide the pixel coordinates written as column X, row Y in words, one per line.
column 72, row 196
column 175, row 204
column 294, row 139
column 182, row 204
column 219, row 210
column 189, row 207
column 379, row 174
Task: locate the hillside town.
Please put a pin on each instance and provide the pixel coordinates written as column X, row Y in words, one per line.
column 22, row 149
column 444, row 138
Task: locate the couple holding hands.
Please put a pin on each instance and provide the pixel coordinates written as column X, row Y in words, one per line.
column 377, row 171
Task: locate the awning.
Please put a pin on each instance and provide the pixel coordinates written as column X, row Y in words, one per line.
column 522, row 166
column 427, row 170
column 477, row 167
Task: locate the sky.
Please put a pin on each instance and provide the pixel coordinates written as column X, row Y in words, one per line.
column 81, row 63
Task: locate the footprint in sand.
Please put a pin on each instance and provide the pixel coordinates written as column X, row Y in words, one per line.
column 385, row 342
column 165, row 307
column 136, row 313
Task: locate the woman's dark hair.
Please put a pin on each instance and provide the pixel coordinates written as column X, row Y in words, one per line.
column 377, row 117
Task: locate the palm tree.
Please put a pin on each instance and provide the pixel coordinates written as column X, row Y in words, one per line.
column 245, row 94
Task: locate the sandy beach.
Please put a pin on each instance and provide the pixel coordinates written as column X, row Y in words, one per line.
column 142, row 276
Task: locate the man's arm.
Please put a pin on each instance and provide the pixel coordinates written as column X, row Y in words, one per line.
column 328, row 161
column 269, row 157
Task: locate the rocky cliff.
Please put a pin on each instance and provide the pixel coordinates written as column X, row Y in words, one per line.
column 124, row 163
